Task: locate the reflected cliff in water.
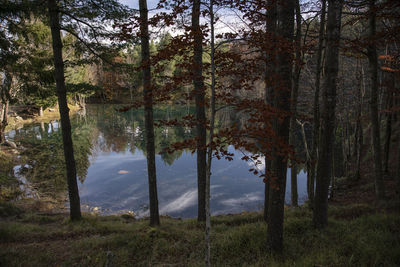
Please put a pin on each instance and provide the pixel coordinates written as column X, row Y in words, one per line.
column 111, row 164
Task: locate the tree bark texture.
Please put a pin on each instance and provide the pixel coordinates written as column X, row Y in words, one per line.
column 320, row 212
column 358, row 136
column 398, row 166
column 200, row 110
column 3, row 122
column 282, row 102
column 75, row 208
column 316, row 112
column 373, row 70
column 294, row 96
column 4, row 103
column 388, row 132
column 270, row 65
column 211, row 138
column 148, row 113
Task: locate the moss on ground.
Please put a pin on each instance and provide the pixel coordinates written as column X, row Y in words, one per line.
column 357, row 235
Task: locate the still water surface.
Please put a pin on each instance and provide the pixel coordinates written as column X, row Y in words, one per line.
column 112, row 169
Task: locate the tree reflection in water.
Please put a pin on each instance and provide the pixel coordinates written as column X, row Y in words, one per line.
column 110, row 156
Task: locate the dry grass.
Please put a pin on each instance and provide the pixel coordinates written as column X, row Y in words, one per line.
column 361, row 237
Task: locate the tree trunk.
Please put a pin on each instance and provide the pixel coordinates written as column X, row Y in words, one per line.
column 398, row 165
column 75, row 208
column 211, row 137
column 41, row 111
column 3, row 122
column 5, row 93
column 282, row 102
column 315, row 143
column 303, row 133
column 342, row 143
column 293, row 179
column 148, row 116
column 82, row 100
column 294, row 96
column 200, row 110
column 320, row 212
column 358, row 140
column 2, row 135
column 359, row 148
column 333, row 168
column 270, row 64
column 373, row 69
column 388, row 133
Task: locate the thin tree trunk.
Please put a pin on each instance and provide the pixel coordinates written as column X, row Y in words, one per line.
column 398, row 166
column 4, row 122
column 320, row 211
column 282, row 102
column 334, row 162
column 2, row 105
column 5, row 92
column 294, row 96
column 293, row 179
column 148, row 113
column 303, row 133
column 82, row 100
column 200, row 111
column 75, row 208
column 343, row 146
column 359, row 131
column 2, row 135
column 210, row 141
column 359, row 148
column 270, row 64
column 131, row 93
column 314, row 150
column 388, row 133
column 373, row 69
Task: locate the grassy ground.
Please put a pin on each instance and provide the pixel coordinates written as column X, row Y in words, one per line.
column 356, row 236
column 9, row 186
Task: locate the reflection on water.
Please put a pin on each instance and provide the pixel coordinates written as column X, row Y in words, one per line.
column 111, row 164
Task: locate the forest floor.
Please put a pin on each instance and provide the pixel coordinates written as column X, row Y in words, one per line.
column 357, row 235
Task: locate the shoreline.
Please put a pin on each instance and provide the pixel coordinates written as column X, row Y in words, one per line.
column 16, row 120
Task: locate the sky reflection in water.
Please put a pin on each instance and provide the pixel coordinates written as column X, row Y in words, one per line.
column 116, row 177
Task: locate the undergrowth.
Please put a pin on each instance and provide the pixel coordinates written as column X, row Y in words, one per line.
column 9, row 186
column 357, row 235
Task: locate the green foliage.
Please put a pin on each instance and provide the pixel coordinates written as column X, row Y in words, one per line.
column 26, row 52
column 85, row 89
column 77, row 69
column 34, row 68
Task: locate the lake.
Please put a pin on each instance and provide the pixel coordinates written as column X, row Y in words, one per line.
column 112, row 170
